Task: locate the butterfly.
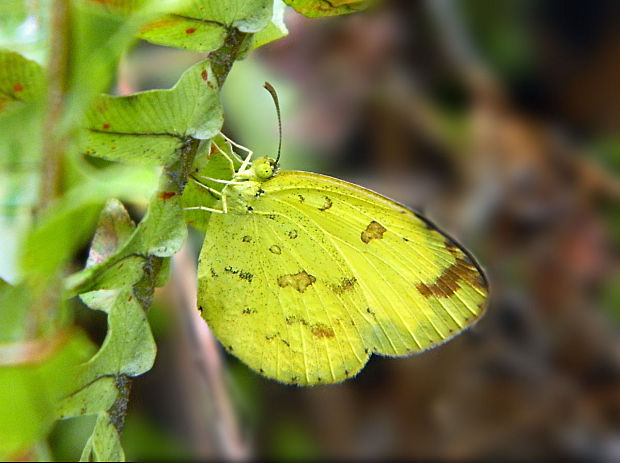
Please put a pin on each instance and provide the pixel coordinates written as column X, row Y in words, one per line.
column 303, row 276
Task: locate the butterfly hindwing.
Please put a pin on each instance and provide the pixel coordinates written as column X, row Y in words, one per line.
column 272, row 307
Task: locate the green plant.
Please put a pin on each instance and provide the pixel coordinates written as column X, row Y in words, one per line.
column 69, row 157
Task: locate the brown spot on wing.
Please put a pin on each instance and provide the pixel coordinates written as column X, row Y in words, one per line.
column 374, row 231
column 321, row 330
column 451, row 279
column 326, row 205
column 344, row 285
column 300, row 281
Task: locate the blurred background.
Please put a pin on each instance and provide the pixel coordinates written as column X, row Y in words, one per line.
column 499, row 119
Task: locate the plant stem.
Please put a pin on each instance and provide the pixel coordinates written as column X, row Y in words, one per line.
column 57, row 78
column 223, row 58
column 174, row 179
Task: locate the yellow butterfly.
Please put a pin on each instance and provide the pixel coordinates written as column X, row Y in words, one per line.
column 304, row 276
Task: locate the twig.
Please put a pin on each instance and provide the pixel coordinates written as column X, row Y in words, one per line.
column 207, row 357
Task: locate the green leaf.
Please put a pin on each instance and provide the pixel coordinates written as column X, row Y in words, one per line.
column 30, row 390
column 105, row 443
column 128, row 348
column 318, row 8
column 70, row 221
column 90, row 400
column 98, row 37
column 183, row 32
column 149, row 127
column 203, row 24
column 160, row 233
column 22, row 95
column 21, row 81
column 14, row 303
column 210, row 162
column 276, row 29
column 114, row 228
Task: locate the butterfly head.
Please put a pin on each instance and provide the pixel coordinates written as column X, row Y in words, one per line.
column 264, row 168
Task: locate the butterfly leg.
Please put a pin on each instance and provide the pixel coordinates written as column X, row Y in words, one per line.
column 204, row 208
column 237, row 145
column 213, row 191
column 218, row 180
column 228, row 158
column 249, row 152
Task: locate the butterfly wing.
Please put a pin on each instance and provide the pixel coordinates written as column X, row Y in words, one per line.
column 321, row 273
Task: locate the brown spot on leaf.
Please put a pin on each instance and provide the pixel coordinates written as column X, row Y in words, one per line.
column 18, row 87
column 322, row 331
column 191, row 30
column 205, row 76
column 164, row 195
column 299, row 281
column 326, row 205
column 292, row 234
column 112, row 148
column 451, row 279
column 344, row 285
column 275, row 249
column 246, row 239
column 374, row 231
column 105, row 126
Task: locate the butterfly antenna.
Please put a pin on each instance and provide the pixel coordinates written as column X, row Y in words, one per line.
column 274, row 95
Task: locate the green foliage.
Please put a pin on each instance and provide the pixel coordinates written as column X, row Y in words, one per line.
column 318, row 8
column 54, row 124
column 150, row 127
column 31, row 386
